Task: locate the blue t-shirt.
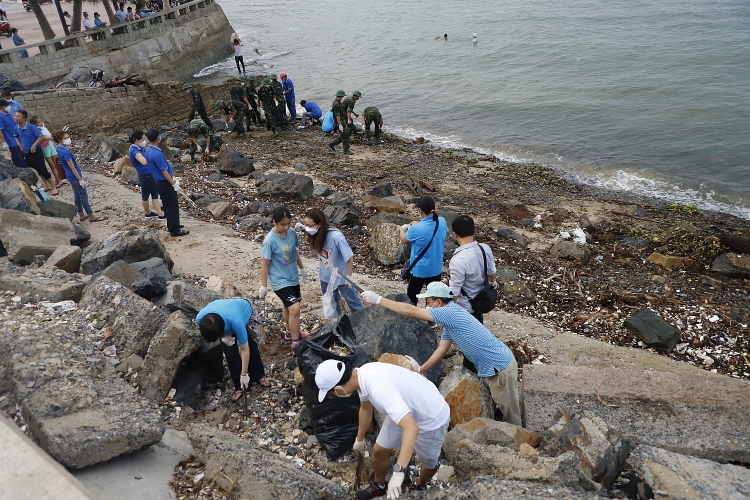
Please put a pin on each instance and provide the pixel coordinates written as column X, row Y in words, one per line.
column 336, row 253
column 287, row 85
column 64, row 154
column 282, row 252
column 28, row 135
column 313, row 108
column 235, row 313
column 141, row 169
column 419, row 236
column 156, row 162
column 10, row 129
column 487, row 352
column 14, row 106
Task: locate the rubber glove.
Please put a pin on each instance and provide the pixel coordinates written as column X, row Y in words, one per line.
column 199, row 149
column 226, row 126
column 227, row 340
column 262, row 291
column 414, row 365
column 405, row 227
column 359, row 446
column 302, row 275
column 5, row 145
column 394, row 485
column 493, row 284
column 244, row 381
column 299, row 227
column 82, row 183
column 371, row 297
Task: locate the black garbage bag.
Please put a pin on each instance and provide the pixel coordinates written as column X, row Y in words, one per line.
column 334, row 421
column 11, row 84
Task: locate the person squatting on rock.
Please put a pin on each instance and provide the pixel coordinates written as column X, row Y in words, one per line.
column 268, row 101
column 429, row 232
column 198, row 107
column 198, row 128
column 75, row 178
column 494, row 362
column 333, row 252
column 138, row 145
column 165, row 183
column 49, row 152
column 31, row 138
column 281, row 267
column 288, row 87
column 370, row 116
column 234, row 110
column 229, row 320
column 342, row 112
column 312, row 112
column 416, row 419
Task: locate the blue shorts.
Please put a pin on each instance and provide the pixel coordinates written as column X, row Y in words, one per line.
column 148, row 187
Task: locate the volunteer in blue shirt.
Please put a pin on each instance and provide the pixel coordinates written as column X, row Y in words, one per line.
column 494, row 361
column 8, row 96
column 230, row 320
column 312, row 112
column 10, row 134
column 288, row 87
column 75, row 178
column 31, row 137
column 138, row 144
column 420, row 234
column 165, row 183
column 333, row 253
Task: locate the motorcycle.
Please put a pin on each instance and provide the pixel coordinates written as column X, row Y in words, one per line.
column 96, row 80
column 5, row 29
column 26, row 6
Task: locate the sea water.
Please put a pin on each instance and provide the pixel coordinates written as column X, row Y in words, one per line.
column 647, row 97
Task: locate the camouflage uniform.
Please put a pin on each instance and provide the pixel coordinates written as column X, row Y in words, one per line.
column 266, row 96
column 346, row 106
column 372, row 115
column 239, row 107
column 278, row 92
column 237, row 91
column 198, row 128
column 253, row 115
column 200, row 109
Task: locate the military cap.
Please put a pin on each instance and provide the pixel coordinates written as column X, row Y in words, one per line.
column 274, row 76
column 240, row 78
column 219, row 103
column 250, row 77
column 340, row 93
column 266, row 81
column 187, row 86
column 357, row 93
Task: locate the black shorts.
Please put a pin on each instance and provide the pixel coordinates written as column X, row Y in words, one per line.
column 148, row 187
column 37, row 162
column 289, row 295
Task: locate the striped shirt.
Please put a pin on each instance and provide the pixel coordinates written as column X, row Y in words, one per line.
column 479, row 345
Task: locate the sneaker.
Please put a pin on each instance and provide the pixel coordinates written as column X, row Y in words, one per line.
column 162, row 218
column 416, row 487
column 372, row 491
column 300, row 127
column 347, row 152
column 152, row 215
column 432, row 324
column 302, row 335
column 332, row 146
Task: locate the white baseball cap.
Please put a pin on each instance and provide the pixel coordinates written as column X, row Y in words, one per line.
column 327, row 376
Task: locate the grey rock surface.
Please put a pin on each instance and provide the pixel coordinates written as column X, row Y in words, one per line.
column 467, row 396
column 50, row 283
column 380, row 190
column 102, row 149
column 514, row 289
column 653, row 330
column 386, row 245
column 150, row 287
column 486, row 431
column 27, row 235
column 513, row 235
column 16, row 195
column 57, row 208
column 190, row 299
column 262, row 208
column 67, row 258
column 732, row 264
column 10, row 171
column 321, row 190
column 381, row 217
column 203, row 201
column 121, row 272
column 131, row 246
column 347, row 215
column 234, row 163
column 569, row 250
column 287, row 187
column 252, row 222
column 153, row 267
column 491, row 488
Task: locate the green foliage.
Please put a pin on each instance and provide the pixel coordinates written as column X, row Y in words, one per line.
column 685, row 209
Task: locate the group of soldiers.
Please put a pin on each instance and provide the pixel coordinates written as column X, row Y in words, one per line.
column 343, row 109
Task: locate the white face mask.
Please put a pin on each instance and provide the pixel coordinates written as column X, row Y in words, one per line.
column 143, row 144
column 345, row 395
column 67, row 142
column 6, row 109
column 311, row 230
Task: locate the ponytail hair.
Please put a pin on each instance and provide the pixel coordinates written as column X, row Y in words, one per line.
column 318, row 239
column 427, row 205
column 137, row 135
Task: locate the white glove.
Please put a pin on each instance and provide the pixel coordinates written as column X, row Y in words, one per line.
column 405, row 227
column 371, row 297
column 227, row 340
column 226, row 126
column 244, row 381
column 5, row 145
column 302, row 275
column 299, row 227
column 394, row 485
column 414, row 365
column 359, row 446
column 263, row 291
column 82, row 183
column 199, row 149
column 493, row 284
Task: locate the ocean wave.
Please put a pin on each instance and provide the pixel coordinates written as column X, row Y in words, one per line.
column 271, row 55
column 228, row 65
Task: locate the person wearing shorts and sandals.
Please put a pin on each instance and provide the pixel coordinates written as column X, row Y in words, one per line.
column 494, row 362
column 281, row 266
column 416, row 419
column 420, row 234
column 31, row 139
column 50, row 152
column 138, row 144
column 230, row 320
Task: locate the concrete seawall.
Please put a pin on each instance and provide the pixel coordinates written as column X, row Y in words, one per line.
column 171, row 45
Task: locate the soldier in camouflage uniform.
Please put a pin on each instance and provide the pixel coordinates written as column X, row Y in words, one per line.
column 251, row 97
column 268, row 101
column 196, row 129
column 345, row 112
column 372, row 115
column 278, row 92
column 237, row 91
column 198, row 106
column 236, row 111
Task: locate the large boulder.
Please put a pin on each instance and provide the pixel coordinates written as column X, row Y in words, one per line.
column 380, row 331
column 488, row 487
column 121, row 272
column 262, row 208
column 16, row 195
column 380, row 190
column 732, row 264
column 346, row 215
column 486, row 431
column 569, row 250
column 223, row 209
column 514, row 288
column 130, row 175
column 204, row 200
column 151, row 287
column 254, row 473
column 190, row 299
column 234, row 163
column 384, row 204
column 133, row 320
column 287, row 187
column 252, row 222
column 10, row 171
column 57, row 208
column 49, row 282
column 653, row 330
column 131, row 246
column 386, row 245
column 176, row 340
column 222, row 286
column 153, row 267
column 467, row 395
column 66, row 257
column 381, row 217
column 687, row 413
column 102, row 149
column 27, row 235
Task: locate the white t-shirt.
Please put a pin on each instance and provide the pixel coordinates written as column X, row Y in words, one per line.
column 396, row 391
column 87, row 23
column 238, row 50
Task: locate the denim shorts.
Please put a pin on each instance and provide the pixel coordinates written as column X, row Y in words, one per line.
column 148, row 187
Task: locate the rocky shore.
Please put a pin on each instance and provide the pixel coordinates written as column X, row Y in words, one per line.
column 632, row 341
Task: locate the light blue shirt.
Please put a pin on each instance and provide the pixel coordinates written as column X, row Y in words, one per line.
column 336, row 253
column 419, row 236
column 487, row 352
column 282, row 252
column 235, row 313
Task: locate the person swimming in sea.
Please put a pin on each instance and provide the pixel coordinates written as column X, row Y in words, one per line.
column 444, row 37
column 474, row 38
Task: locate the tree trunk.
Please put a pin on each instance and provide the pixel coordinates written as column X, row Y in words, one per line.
column 42, row 19
column 110, row 13
column 75, row 25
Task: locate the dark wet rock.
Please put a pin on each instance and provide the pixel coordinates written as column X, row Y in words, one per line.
column 150, row 287
column 342, row 215
column 153, row 266
column 286, row 187
column 340, row 198
column 204, row 200
column 380, row 190
column 735, row 243
column 653, row 330
column 635, row 242
column 448, row 249
column 585, row 223
column 512, row 235
column 258, row 208
column 732, row 264
column 190, row 299
column 16, row 195
column 234, row 164
column 131, row 246
column 246, row 224
column 10, row 171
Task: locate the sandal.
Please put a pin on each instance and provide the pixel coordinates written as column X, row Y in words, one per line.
column 264, row 382
column 94, row 218
column 179, row 233
column 82, row 218
column 236, row 396
column 55, row 192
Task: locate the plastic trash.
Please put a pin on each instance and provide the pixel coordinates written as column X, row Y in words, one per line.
column 580, row 236
column 328, row 122
column 330, row 311
column 63, row 306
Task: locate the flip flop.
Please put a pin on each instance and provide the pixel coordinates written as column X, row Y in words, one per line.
column 93, row 218
column 236, row 396
column 55, row 192
column 264, row 382
column 81, row 219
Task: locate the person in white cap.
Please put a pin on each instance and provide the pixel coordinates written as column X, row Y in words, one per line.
column 416, row 419
column 493, row 360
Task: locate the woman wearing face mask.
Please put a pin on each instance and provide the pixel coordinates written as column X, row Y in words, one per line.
column 75, row 178
column 138, row 144
column 333, row 252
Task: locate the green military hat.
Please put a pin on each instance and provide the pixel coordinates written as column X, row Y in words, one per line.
column 274, row 76
column 340, row 93
column 250, row 77
column 266, row 81
column 357, row 93
column 240, row 78
column 187, row 86
column 219, row 103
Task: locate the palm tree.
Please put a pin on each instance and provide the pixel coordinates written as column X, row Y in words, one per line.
column 110, row 12
column 75, row 25
column 42, row 19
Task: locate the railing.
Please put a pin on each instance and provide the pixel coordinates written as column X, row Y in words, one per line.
column 107, row 33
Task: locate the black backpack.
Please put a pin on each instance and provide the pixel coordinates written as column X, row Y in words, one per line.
column 485, row 300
